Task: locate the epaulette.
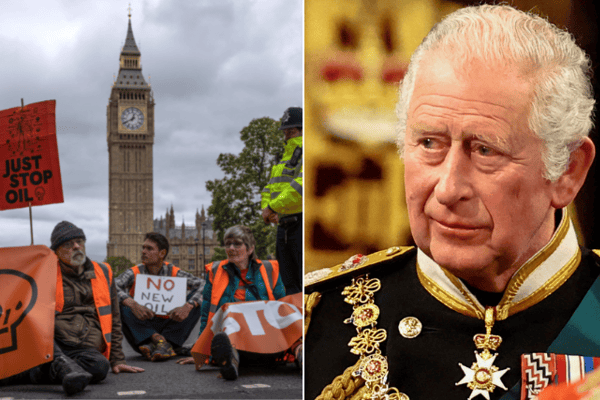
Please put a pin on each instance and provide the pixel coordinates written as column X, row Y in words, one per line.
column 597, row 254
column 356, row 265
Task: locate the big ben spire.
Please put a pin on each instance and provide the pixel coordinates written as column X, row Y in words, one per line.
column 130, row 47
column 130, row 63
column 130, row 139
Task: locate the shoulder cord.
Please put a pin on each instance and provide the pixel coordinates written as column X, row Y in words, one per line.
column 310, row 302
column 344, row 386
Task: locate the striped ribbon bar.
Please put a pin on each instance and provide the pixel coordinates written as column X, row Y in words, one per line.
column 539, row 370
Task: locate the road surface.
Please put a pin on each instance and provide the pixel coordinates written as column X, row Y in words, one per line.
column 168, row 380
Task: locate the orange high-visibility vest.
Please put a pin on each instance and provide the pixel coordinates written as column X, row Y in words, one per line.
column 136, row 271
column 101, row 291
column 219, row 280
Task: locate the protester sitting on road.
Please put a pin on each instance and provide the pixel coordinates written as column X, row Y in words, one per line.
column 87, row 327
column 241, row 277
column 154, row 336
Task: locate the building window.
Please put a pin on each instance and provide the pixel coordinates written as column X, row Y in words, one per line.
column 206, row 251
column 175, row 249
column 191, row 263
column 191, row 250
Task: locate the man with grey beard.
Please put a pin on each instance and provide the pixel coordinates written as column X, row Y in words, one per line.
column 87, row 325
column 87, row 321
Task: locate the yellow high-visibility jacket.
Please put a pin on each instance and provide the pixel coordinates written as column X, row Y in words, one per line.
column 283, row 193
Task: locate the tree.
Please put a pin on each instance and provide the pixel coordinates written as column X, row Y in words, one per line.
column 119, row 264
column 236, row 197
column 218, row 255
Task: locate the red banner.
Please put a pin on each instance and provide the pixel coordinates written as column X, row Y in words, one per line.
column 266, row 327
column 28, row 288
column 29, row 169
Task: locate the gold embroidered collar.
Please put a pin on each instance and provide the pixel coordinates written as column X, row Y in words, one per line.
column 539, row 277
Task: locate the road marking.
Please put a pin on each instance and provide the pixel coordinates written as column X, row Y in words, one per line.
column 131, row 393
column 256, row 386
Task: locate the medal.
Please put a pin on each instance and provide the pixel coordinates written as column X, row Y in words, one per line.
column 483, row 376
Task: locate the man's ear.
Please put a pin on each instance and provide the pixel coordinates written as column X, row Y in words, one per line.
column 567, row 186
column 162, row 253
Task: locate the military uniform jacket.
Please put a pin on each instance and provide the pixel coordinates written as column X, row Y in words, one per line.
column 427, row 366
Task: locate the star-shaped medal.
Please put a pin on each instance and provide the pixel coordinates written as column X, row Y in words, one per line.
column 483, row 376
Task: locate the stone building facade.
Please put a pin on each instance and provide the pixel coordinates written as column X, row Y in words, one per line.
column 130, row 139
column 191, row 247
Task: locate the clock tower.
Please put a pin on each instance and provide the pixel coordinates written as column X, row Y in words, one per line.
column 130, row 138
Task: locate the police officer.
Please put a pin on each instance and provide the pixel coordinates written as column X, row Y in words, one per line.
column 282, row 202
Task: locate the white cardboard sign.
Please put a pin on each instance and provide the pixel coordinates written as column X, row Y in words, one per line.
column 161, row 294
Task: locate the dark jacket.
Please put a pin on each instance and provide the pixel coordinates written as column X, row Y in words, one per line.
column 78, row 324
column 427, row 366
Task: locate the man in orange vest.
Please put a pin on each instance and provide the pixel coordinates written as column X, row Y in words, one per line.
column 87, row 325
column 157, row 337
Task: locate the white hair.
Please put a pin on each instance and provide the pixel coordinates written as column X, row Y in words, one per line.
column 561, row 111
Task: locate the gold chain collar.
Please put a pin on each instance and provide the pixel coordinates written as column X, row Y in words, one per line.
column 372, row 366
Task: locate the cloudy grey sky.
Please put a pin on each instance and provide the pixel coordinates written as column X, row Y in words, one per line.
column 214, row 65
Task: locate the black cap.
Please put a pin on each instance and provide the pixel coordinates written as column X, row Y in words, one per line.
column 292, row 118
column 63, row 232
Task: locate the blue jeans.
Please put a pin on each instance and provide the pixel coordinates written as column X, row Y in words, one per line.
column 137, row 331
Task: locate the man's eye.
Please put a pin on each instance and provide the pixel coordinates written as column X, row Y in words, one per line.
column 483, row 150
column 428, row 143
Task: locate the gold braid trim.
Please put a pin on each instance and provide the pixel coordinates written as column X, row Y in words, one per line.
column 310, row 302
column 361, row 394
column 344, row 386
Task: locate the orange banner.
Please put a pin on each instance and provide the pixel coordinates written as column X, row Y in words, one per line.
column 29, row 170
column 266, row 327
column 28, row 288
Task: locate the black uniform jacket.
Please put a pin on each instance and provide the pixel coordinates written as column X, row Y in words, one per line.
column 427, row 366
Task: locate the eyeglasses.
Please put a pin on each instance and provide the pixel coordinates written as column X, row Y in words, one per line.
column 237, row 244
column 71, row 243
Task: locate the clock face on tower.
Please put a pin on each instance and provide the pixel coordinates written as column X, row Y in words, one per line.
column 132, row 118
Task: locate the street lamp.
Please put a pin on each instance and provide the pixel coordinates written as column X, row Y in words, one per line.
column 196, row 256
column 204, row 243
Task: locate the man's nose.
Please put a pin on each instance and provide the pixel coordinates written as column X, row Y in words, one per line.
column 454, row 181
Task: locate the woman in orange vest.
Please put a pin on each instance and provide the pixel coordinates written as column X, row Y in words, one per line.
column 241, row 277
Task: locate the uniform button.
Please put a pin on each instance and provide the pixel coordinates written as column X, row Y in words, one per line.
column 410, row 327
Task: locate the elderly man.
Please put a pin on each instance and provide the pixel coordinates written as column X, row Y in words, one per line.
column 282, row 202
column 154, row 336
column 87, row 325
column 494, row 115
